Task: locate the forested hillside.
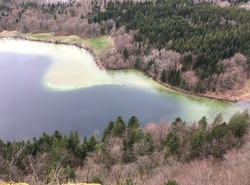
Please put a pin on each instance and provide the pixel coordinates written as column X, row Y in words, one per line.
column 210, row 45
column 196, row 46
column 127, row 154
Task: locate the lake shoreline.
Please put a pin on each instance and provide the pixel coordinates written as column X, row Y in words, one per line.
column 89, row 49
column 19, row 36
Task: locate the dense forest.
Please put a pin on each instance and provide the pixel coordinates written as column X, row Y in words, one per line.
column 193, row 45
column 203, row 34
column 127, row 154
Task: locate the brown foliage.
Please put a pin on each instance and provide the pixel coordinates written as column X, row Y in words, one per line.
column 158, row 131
column 233, row 76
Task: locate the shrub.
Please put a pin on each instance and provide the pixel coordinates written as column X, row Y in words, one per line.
column 171, row 182
column 96, row 179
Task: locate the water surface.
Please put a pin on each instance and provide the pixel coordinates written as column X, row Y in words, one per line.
column 46, row 87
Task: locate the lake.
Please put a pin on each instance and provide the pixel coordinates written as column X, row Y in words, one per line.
column 46, row 87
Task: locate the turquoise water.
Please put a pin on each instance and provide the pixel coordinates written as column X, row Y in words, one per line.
column 82, row 97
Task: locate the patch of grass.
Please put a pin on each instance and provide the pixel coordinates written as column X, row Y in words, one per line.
column 40, row 35
column 98, row 44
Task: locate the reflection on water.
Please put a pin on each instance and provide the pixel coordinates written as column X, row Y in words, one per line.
column 40, row 92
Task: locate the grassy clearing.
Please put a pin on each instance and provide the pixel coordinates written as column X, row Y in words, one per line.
column 40, row 35
column 98, row 44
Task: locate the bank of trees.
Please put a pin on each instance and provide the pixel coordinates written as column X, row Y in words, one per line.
column 124, row 154
column 62, row 18
column 208, row 31
column 203, row 34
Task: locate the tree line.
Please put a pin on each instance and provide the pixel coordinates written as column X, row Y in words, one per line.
column 57, row 158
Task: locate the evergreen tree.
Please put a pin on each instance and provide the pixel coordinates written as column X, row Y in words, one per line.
column 173, row 144
column 119, row 127
column 107, row 131
column 163, row 76
column 125, row 53
column 92, row 143
column 73, row 141
column 197, row 142
column 203, row 123
column 58, row 135
column 133, row 123
column 238, row 123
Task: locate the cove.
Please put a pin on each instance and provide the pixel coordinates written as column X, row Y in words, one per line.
column 46, row 87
